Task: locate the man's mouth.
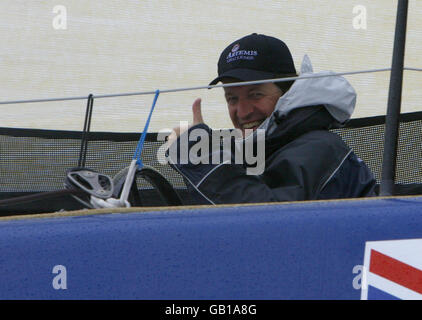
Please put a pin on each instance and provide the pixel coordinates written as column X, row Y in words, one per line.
column 253, row 124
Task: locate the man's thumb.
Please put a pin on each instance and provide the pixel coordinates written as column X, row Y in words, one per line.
column 197, row 113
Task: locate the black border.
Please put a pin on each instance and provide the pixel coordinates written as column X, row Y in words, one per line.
column 63, row 134
column 380, row 120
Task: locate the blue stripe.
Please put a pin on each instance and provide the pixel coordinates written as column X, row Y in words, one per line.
column 377, row 294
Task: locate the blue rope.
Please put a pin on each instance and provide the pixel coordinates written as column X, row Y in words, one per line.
column 140, row 146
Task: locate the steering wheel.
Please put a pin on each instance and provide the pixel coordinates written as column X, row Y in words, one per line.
column 163, row 187
column 102, row 186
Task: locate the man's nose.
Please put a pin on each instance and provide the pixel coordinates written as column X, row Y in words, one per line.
column 244, row 109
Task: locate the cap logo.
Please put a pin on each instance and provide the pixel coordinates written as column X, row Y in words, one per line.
column 236, row 54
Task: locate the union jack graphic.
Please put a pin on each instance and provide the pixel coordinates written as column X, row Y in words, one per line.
column 393, row 270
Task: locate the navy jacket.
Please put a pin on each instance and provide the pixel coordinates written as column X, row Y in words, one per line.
column 303, row 161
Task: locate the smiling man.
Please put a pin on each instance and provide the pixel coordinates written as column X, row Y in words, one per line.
column 302, row 159
column 254, row 57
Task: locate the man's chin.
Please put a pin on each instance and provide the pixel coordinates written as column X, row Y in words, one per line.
column 248, row 132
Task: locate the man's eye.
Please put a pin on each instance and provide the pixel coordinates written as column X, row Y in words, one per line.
column 231, row 100
column 256, row 95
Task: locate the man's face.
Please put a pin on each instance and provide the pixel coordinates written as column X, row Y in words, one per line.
column 250, row 105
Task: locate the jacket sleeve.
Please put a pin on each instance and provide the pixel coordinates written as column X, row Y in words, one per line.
column 353, row 179
column 294, row 172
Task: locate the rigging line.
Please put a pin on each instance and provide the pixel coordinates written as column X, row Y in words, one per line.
column 200, row 87
column 412, row 69
column 140, row 146
column 86, row 129
column 136, row 162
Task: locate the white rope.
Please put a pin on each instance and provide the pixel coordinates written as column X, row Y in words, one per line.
column 412, row 69
column 202, row 87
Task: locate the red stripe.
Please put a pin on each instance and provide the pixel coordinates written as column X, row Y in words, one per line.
column 396, row 271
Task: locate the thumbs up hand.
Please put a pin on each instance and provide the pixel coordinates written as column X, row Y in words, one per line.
column 197, row 119
column 197, row 113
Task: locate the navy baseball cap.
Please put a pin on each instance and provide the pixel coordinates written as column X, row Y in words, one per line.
column 255, row 57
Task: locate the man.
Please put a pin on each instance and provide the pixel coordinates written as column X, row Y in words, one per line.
column 303, row 159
